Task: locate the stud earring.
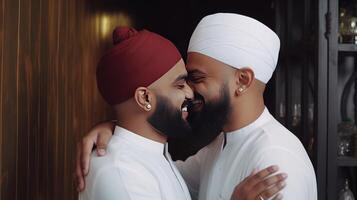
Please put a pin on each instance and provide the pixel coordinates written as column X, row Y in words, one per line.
column 148, row 106
column 240, row 89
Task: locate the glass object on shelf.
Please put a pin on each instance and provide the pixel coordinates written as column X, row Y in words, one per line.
column 310, row 118
column 346, row 193
column 346, row 132
column 282, row 110
column 296, row 115
column 347, row 26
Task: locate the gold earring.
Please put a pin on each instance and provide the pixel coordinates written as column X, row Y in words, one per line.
column 148, row 106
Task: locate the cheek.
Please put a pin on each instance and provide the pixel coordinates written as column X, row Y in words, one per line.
column 209, row 90
column 177, row 97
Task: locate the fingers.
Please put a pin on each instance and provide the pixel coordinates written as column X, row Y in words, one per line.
column 99, row 134
column 87, row 145
column 78, row 176
column 102, row 142
column 255, row 171
column 271, row 186
column 278, row 197
column 261, row 175
column 261, row 184
column 273, row 191
column 270, row 181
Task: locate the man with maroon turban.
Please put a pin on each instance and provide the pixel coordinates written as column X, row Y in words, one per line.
column 143, row 78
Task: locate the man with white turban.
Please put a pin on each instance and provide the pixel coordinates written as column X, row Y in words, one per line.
column 231, row 58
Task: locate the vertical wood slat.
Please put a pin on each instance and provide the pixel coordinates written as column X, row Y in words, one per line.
column 9, row 95
column 2, row 13
column 23, row 94
column 48, row 94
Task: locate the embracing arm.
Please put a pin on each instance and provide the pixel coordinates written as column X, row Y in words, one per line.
column 98, row 136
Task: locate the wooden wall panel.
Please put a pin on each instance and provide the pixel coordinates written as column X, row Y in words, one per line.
column 10, row 101
column 1, row 87
column 49, row 50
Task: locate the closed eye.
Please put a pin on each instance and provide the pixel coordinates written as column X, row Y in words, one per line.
column 196, row 79
column 196, row 76
column 181, row 84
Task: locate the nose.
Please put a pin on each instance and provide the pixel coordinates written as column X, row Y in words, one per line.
column 188, row 92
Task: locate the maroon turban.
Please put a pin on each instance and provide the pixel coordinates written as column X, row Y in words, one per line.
column 138, row 59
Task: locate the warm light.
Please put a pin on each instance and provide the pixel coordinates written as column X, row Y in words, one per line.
column 106, row 22
column 104, row 25
column 123, row 20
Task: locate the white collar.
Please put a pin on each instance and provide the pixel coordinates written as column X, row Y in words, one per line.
column 242, row 132
column 139, row 141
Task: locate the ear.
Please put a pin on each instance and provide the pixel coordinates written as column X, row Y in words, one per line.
column 144, row 98
column 244, row 77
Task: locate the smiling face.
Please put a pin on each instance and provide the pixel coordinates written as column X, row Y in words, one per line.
column 171, row 97
column 210, row 81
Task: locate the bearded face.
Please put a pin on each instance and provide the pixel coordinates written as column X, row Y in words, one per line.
column 207, row 118
column 169, row 120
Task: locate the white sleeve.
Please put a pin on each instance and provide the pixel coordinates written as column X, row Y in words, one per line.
column 190, row 170
column 301, row 181
column 111, row 183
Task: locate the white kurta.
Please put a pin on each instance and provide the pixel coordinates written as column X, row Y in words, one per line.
column 215, row 170
column 135, row 168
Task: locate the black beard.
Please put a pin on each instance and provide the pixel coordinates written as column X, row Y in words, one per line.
column 168, row 120
column 206, row 125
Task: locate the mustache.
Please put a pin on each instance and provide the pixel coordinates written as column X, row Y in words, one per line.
column 198, row 97
column 196, row 103
column 188, row 103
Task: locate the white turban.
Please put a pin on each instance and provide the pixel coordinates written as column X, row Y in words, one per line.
column 238, row 41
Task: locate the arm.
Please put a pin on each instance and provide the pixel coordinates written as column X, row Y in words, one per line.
column 99, row 135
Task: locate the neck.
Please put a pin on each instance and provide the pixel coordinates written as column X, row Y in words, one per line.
column 139, row 125
column 244, row 112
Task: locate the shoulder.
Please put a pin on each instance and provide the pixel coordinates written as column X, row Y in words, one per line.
column 274, row 144
column 120, row 178
column 301, row 181
column 273, row 135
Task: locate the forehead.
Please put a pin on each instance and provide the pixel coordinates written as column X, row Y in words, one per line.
column 197, row 62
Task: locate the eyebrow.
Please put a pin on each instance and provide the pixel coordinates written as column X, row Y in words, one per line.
column 195, row 71
column 181, row 77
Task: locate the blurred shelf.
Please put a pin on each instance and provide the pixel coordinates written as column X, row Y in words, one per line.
column 347, row 161
column 347, row 47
